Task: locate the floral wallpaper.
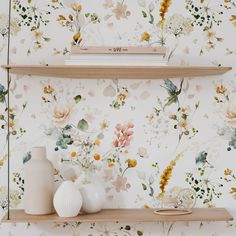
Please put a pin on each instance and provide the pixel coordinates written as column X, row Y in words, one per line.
column 141, row 139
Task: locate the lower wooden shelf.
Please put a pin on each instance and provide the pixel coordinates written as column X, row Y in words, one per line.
column 123, row 215
column 116, row 72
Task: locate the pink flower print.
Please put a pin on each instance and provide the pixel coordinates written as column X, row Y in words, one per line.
column 121, row 184
column 130, row 125
column 123, row 135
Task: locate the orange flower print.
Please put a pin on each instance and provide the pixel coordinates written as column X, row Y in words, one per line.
column 73, row 154
column 96, row 157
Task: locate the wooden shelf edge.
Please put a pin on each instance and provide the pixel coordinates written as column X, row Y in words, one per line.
column 119, row 72
column 123, row 215
column 11, row 66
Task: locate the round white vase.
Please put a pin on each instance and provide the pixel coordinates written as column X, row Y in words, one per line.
column 94, row 197
column 67, row 200
column 39, row 183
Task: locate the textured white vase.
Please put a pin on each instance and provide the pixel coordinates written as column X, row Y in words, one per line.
column 67, row 200
column 39, row 183
column 94, row 197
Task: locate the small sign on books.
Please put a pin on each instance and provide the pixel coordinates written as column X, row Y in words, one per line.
column 119, row 50
column 122, row 56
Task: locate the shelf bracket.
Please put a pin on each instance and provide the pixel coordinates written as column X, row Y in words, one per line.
column 8, row 110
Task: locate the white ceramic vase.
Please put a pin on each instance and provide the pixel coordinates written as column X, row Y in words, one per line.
column 94, row 197
column 39, row 183
column 67, row 200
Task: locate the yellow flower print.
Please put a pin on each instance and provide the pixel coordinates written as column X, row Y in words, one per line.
column 121, row 97
column 233, row 19
column 165, row 4
column 211, row 35
column 145, row 37
column 97, row 142
column 227, row 171
column 221, row 89
column 37, row 45
column 233, row 192
column 111, row 164
column 183, row 124
column 210, row 45
column 48, row 89
column 61, row 17
column 104, row 125
column 185, row 109
column 150, row 117
column 167, row 173
column 56, row 171
column 77, row 7
column 70, row 17
column 11, row 124
column 38, row 35
column 131, row 163
column 73, row 178
column 76, row 37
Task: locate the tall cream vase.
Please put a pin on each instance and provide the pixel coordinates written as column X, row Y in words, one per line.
column 39, row 183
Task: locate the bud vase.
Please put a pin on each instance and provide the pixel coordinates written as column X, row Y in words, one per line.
column 39, row 183
column 94, row 197
column 67, row 200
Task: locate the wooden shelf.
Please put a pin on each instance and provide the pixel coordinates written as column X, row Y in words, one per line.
column 116, row 72
column 124, row 215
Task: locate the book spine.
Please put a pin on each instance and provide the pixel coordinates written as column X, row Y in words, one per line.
column 121, row 63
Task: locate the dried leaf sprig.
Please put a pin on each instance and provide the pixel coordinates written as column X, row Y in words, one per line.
column 167, row 173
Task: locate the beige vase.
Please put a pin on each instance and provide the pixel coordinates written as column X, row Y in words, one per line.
column 39, row 183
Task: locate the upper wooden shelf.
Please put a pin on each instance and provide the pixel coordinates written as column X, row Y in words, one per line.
column 116, row 72
column 123, row 215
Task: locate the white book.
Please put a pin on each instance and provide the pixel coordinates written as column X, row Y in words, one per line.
column 116, row 63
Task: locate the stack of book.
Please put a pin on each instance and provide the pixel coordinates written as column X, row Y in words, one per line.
column 118, row 56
